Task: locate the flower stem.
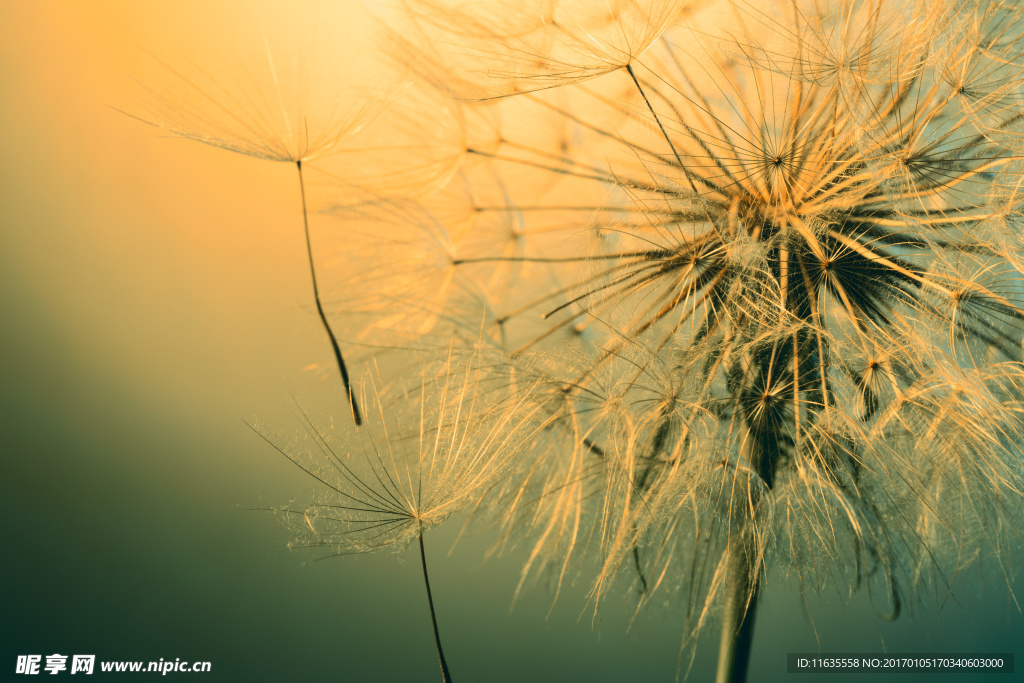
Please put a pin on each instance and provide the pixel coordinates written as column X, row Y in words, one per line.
column 445, row 675
column 320, row 309
column 738, row 622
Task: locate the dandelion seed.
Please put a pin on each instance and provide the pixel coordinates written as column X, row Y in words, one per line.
column 423, row 456
column 280, row 104
column 494, row 49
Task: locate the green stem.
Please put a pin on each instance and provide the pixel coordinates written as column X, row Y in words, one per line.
column 320, row 309
column 743, row 579
column 738, row 622
column 445, row 675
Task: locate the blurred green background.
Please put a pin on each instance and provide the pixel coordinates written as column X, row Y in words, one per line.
column 154, row 295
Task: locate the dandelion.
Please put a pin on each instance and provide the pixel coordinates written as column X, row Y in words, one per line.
column 422, row 457
column 785, row 262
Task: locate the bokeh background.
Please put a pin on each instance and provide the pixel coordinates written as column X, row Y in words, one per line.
column 154, row 297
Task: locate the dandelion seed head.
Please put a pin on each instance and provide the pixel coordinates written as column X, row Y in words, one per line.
column 756, row 284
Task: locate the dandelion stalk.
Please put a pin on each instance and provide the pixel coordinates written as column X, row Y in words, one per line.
column 320, row 309
column 742, row 589
column 445, row 675
column 738, row 622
